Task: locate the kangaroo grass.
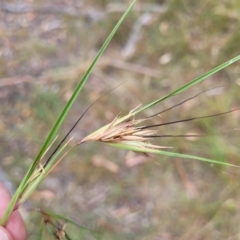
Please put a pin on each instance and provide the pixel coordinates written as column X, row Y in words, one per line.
column 125, row 132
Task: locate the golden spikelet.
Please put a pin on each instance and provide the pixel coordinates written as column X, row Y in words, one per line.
column 125, row 131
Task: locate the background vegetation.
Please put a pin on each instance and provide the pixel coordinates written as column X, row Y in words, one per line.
column 46, row 47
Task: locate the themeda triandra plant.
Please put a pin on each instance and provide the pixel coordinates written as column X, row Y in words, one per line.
column 126, row 132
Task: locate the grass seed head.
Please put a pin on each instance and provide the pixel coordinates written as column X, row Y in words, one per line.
column 124, row 131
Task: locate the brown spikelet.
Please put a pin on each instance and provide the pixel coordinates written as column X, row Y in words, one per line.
column 126, row 131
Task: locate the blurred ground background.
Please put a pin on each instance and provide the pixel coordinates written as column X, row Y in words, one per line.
column 45, row 47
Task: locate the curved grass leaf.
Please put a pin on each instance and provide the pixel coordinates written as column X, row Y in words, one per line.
column 171, row 154
column 188, row 85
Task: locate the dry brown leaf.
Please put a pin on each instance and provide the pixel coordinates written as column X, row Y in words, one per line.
column 134, row 159
column 121, row 212
column 100, row 161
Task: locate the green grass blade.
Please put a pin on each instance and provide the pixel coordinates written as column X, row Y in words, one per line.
column 14, row 200
column 188, row 85
column 171, row 154
column 79, row 87
column 41, row 231
column 21, row 190
column 61, row 119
